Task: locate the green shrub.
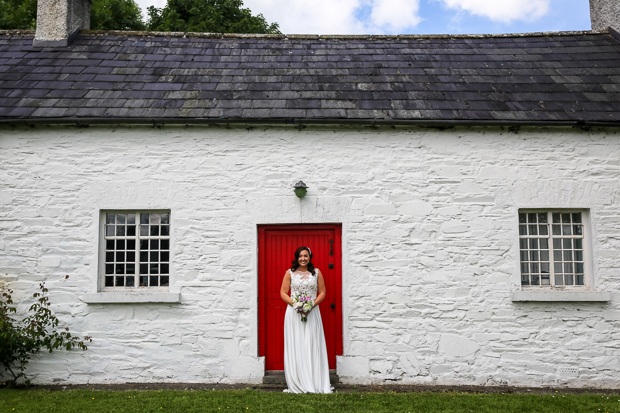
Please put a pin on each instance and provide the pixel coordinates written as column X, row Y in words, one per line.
column 22, row 339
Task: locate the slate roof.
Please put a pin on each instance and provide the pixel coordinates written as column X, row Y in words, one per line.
column 548, row 78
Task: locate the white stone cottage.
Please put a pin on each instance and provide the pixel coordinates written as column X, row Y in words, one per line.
column 463, row 200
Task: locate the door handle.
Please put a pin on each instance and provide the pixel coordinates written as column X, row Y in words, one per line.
column 331, row 247
column 333, row 305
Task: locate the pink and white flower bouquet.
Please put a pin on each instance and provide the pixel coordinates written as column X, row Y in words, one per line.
column 302, row 303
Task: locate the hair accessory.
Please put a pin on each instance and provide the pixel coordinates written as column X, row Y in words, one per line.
column 310, row 251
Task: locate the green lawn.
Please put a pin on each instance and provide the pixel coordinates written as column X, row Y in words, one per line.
column 255, row 401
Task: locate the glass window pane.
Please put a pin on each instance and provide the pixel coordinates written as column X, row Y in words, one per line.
column 109, row 244
column 533, row 229
column 120, row 230
column 522, row 218
column 164, row 280
column 144, row 281
column 144, row 218
column 130, row 281
column 565, row 218
column 120, row 268
column 165, row 230
column 109, row 281
column 566, row 230
column 155, row 219
column 144, row 230
column 568, row 278
column 543, row 230
column 110, row 230
column 559, row 279
column 544, row 255
column 121, row 218
column 144, row 269
column 154, row 256
column 154, row 230
column 534, row 243
column 522, row 229
column 578, row 244
column 533, row 255
column 556, row 229
column 568, row 267
column 109, row 218
column 557, row 268
column 144, row 244
column 154, row 244
column 131, row 244
column 579, row 268
column 544, row 244
column 153, row 281
column 164, row 255
column 120, row 281
column 120, row 256
column 577, row 230
column 544, row 280
column 153, row 269
column 577, row 218
column 131, row 268
column 120, row 244
column 542, row 218
column 557, row 244
column 544, row 268
column 165, row 244
column 568, row 255
column 524, row 269
column 163, row 269
column 525, row 280
column 531, row 218
column 534, row 268
column 556, row 218
column 144, row 256
column 131, row 219
column 109, row 268
column 131, row 256
column 535, row 280
column 567, row 244
column 165, row 218
column 579, row 279
column 578, row 255
column 557, row 255
column 131, row 230
column 109, row 256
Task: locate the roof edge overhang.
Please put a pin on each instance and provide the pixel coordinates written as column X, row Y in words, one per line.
column 321, row 36
column 298, row 122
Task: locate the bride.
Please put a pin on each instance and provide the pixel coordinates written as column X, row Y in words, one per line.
column 305, row 355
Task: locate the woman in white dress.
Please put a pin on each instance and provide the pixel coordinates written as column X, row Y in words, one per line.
column 306, row 368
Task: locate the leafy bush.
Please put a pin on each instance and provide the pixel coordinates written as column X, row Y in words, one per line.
column 20, row 340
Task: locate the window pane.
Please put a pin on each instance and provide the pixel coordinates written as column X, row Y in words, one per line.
column 155, row 219
column 544, row 244
column 109, row 218
column 165, row 218
column 524, row 256
column 579, row 279
column 556, row 229
column 154, row 256
column 533, row 255
column 578, row 244
column 120, row 230
column 144, row 269
column 164, row 255
column 557, row 244
column 525, row 280
column 154, row 244
column 154, row 281
column 533, row 229
column 544, row 280
column 577, row 218
column 144, row 244
column 542, row 218
column 130, row 281
column 524, row 269
column 556, row 218
column 144, row 218
column 131, row 219
column 566, row 230
column 120, row 256
column 165, row 230
column 109, row 281
column 531, row 217
column 522, row 218
column 165, row 244
column 544, row 268
column 544, row 255
column 534, row 267
column 131, row 268
column 144, row 281
column 534, row 243
column 120, row 268
column 568, row 278
column 131, row 244
column 557, row 268
column 557, row 255
column 120, row 281
column 568, row 267
column 559, row 279
column 567, row 243
column 522, row 229
column 109, row 256
column 154, row 269
column 543, row 230
column 131, row 256
column 120, row 244
column 110, row 230
column 577, row 230
column 566, row 218
column 568, row 255
column 164, row 281
column 131, row 230
column 121, row 218
column 535, row 280
column 144, row 256
column 164, row 270
column 154, row 230
column 144, row 230
column 109, row 244
column 109, row 268
column 579, row 268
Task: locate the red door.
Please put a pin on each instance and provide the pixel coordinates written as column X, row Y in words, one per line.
column 276, row 251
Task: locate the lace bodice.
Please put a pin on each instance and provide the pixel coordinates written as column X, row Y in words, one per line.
column 305, row 281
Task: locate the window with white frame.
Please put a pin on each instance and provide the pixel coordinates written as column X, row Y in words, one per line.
column 552, row 248
column 136, row 249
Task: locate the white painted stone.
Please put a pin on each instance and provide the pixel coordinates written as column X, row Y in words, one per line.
column 416, row 208
column 457, row 346
column 355, row 367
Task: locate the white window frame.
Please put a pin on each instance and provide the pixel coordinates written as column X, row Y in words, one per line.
column 587, row 250
column 102, row 252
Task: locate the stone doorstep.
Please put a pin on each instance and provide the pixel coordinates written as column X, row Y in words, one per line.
column 276, row 378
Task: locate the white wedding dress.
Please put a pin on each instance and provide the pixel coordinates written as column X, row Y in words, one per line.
column 305, row 355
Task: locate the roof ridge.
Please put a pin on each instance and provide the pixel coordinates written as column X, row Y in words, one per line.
column 323, row 36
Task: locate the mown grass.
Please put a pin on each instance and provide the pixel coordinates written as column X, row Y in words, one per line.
column 254, row 401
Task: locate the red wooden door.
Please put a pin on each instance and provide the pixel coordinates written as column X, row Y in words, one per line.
column 276, row 251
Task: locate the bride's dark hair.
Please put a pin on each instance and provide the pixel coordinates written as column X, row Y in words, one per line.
column 295, row 263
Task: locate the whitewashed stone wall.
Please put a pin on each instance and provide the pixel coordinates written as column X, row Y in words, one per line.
column 430, row 247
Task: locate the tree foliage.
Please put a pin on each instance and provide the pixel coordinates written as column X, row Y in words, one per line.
column 210, row 16
column 116, row 15
column 20, row 340
column 104, row 15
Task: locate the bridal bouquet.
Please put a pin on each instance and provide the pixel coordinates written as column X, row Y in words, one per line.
column 302, row 303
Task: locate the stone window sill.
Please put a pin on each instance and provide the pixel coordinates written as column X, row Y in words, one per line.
column 130, row 298
column 565, row 296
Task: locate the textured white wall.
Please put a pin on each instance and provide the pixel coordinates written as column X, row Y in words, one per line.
column 429, row 247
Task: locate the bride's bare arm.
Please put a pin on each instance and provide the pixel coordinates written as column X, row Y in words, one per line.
column 321, row 290
column 286, row 285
